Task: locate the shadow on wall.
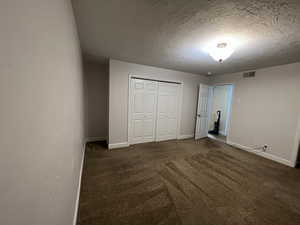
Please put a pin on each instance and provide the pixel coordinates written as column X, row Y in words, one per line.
column 298, row 159
column 96, row 82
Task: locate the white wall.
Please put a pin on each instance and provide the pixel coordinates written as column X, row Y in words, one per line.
column 118, row 96
column 220, row 101
column 41, row 122
column 265, row 109
column 96, row 100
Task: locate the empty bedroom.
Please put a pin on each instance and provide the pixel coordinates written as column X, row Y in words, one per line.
column 150, row 112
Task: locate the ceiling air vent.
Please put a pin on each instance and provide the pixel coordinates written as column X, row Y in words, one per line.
column 249, row 74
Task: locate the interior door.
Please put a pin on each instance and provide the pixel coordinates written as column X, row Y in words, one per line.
column 143, row 111
column 202, row 112
column 167, row 111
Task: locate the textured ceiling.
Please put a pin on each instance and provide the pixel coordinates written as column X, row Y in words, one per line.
column 172, row 33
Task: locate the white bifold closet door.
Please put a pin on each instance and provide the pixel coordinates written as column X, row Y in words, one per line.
column 154, row 111
column 167, row 111
column 143, row 110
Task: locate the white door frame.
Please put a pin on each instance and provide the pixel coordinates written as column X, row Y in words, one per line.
column 229, row 117
column 129, row 110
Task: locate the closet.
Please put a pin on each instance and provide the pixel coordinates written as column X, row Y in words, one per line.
column 153, row 110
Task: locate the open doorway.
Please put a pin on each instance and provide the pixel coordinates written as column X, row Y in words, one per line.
column 220, row 104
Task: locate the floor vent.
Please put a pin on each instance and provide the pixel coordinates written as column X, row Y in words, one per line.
column 249, row 74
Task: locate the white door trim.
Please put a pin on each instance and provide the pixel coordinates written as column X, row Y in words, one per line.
column 229, row 110
column 210, row 104
column 129, row 110
column 229, row 117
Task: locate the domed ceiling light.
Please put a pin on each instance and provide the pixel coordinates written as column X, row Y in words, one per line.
column 221, row 49
column 221, row 52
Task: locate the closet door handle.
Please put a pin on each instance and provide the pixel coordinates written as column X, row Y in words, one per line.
column 199, row 115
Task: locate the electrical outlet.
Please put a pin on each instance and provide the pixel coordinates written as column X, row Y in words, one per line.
column 265, row 148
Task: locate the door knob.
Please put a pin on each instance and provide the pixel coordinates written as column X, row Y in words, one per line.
column 199, row 115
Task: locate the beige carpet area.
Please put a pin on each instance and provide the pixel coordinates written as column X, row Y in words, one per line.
column 186, row 183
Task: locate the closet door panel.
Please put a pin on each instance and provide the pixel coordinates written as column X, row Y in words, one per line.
column 167, row 111
column 137, row 113
column 143, row 114
column 150, row 108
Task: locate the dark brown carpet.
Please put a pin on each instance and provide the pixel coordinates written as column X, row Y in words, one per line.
column 186, row 183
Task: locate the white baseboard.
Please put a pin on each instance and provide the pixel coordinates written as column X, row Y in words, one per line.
column 79, row 187
column 263, row 154
column 92, row 139
column 215, row 138
column 185, row 136
column 296, row 147
column 118, row 145
column 223, row 133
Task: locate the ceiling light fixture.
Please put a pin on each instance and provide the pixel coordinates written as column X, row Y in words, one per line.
column 222, row 48
column 221, row 52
